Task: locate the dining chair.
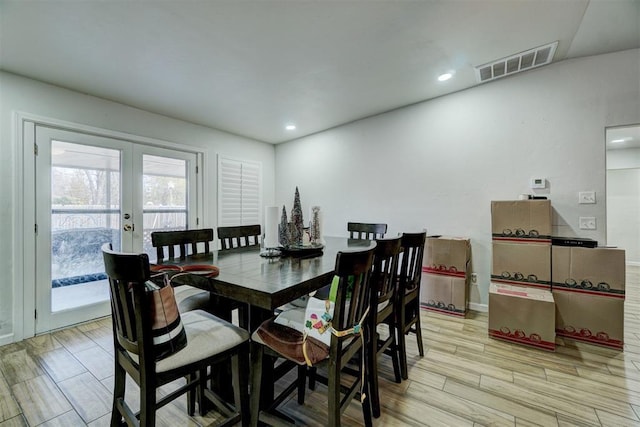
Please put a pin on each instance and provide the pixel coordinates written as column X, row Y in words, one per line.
column 351, row 306
column 236, row 237
column 188, row 242
column 239, row 236
column 210, row 340
column 383, row 312
column 361, row 230
column 408, row 299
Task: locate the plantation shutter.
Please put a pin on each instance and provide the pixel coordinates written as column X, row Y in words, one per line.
column 238, row 192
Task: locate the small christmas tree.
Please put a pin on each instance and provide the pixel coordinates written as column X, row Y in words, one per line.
column 314, row 225
column 283, row 229
column 297, row 221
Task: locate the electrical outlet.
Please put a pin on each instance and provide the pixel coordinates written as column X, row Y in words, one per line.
column 586, row 197
column 587, row 223
column 474, row 278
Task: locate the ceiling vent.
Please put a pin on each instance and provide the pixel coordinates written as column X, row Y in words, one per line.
column 522, row 61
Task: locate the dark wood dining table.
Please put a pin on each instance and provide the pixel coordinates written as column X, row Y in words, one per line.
column 265, row 284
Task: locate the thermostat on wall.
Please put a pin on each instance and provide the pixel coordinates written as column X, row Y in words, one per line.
column 538, row 182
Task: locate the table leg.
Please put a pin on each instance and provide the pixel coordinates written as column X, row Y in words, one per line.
column 256, row 317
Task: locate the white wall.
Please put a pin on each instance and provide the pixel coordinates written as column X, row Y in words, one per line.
column 438, row 164
column 18, row 94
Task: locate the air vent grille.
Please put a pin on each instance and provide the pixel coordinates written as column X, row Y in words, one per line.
column 536, row 57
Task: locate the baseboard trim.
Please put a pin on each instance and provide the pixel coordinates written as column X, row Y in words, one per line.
column 484, row 308
column 6, row 339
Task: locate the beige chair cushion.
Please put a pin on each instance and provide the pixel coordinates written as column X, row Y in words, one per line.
column 191, row 298
column 207, row 336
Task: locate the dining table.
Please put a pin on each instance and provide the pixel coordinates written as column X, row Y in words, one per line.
column 265, row 283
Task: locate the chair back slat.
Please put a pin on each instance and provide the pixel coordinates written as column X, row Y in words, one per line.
column 367, row 231
column 353, row 270
column 385, row 270
column 183, row 239
column 127, row 274
column 411, row 265
column 239, row 236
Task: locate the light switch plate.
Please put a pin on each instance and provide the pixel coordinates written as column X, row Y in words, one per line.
column 586, row 197
column 587, row 223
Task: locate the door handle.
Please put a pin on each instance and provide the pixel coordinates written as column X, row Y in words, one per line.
column 128, row 227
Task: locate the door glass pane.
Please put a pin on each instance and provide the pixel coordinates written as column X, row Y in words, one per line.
column 165, row 197
column 85, row 214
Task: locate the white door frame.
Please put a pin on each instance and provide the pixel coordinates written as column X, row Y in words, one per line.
column 24, row 237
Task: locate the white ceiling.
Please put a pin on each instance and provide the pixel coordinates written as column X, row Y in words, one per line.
column 251, row 66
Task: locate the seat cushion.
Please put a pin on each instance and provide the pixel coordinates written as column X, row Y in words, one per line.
column 290, row 343
column 207, row 335
column 291, row 316
column 192, row 299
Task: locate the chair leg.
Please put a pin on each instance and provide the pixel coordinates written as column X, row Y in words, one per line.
column 202, row 385
column 395, row 356
column 191, row 397
column 311, row 373
column 334, row 393
column 120, row 378
column 402, row 348
column 240, row 367
column 372, row 368
column 366, row 402
column 257, row 353
column 147, row 403
column 302, row 382
column 419, row 330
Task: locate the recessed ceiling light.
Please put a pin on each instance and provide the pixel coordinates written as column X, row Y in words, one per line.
column 290, row 127
column 444, row 77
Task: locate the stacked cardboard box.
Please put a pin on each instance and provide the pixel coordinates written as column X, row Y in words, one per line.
column 587, row 283
column 522, row 315
column 520, row 298
column 445, row 275
column 521, row 232
column 589, row 290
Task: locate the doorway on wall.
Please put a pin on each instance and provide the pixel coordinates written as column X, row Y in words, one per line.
column 623, row 189
column 91, row 190
column 623, row 199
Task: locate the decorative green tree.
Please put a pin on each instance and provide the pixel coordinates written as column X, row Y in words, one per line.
column 297, row 221
column 314, row 225
column 283, row 229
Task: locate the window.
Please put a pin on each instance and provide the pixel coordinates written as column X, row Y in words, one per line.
column 239, row 192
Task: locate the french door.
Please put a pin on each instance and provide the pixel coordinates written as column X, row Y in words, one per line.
column 92, row 190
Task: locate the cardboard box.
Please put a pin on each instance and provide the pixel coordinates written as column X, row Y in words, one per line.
column 522, row 264
column 447, row 255
column 594, row 319
column 522, row 315
column 444, row 294
column 521, row 220
column 598, row 271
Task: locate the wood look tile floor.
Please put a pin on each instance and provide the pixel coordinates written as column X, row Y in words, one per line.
column 465, row 379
